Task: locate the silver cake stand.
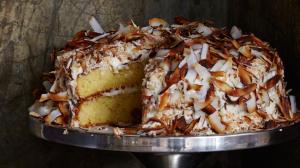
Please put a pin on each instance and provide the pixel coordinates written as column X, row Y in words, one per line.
column 168, row 151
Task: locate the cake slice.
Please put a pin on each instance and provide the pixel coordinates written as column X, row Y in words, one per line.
column 97, row 77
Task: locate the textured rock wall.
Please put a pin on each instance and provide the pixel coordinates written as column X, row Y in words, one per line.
column 29, row 30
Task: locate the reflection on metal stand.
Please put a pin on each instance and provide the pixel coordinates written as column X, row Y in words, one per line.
column 168, row 151
column 177, row 160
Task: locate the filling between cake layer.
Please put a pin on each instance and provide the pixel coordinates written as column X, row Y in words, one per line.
column 100, row 80
column 119, row 109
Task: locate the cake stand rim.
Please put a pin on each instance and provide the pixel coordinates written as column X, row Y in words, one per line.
column 162, row 144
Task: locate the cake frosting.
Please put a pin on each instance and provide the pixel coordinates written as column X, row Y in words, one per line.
column 216, row 81
column 200, row 80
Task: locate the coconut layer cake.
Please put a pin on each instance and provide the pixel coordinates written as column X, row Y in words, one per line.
column 189, row 78
column 98, row 76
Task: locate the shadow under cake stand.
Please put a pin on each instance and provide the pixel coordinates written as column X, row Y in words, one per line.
column 166, row 151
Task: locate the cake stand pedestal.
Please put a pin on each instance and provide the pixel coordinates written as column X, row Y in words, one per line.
column 166, row 151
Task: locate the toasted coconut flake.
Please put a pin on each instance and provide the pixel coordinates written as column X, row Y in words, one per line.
column 182, row 63
column 63, row 108
column 99, row 37
column 235, row 44
column 52, row 116
column 234, row 53
column 180, row 124
column 227, row 65
column 95, row 25
column 232, row 99
column 190, row 127
column 204, row 51
column 270, row 124
column 256, row 53
column 257, row 40
column 173, row 78
column 156, row 22
column 251, row 103
column 235, row 32
column 44, row 97
column 207, row 63
column 222, row 85
column 130, row 131
column 41, row 109
column 47, row 85
column 247, row 119
column 163, row 124
column 284, row 107
column 118, row 131
column 237, row 92
column 293, row 103
column 243, row 91
column 272, row 82
column 218, row 65
column 195, row 87
column 296, row 117
column 164, row 99
column 162, row 52
column 202, row 71
column 267, row 76
column 54, row 87
column 183, row 71
column 218, row 74
column 261, row 113
column 262, row 56
column 133, row 36
column 122, row 30
column 265, row 97
column 194, row 41
column 218, row 53
column 208, row 94
column 209, row 109
column 191, row 75
column 204, row 30
column 196, row 46
column 215, row 122
column 59, row 120
column 61, row 96
column 191, row 58
column 246, row 51
column 244, row 75
column 34, row 114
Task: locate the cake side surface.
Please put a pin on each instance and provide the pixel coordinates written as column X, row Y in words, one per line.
column 217, row 81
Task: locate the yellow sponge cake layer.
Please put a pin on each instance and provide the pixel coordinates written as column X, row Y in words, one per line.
column 115, row 109
column 101, row 80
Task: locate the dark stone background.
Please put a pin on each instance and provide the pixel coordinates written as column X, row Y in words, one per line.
column 29, row 29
